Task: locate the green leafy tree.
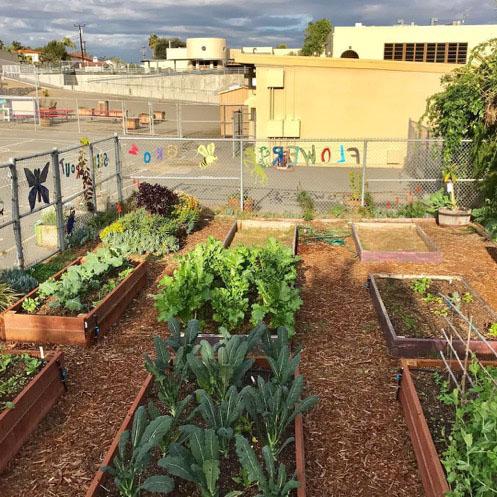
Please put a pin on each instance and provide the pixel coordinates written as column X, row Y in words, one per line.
column 162, row 44
column 15, row 45
column 54, row 51
column 466, row 109
column 316, row 35
column 152, row 41
column 282, row 45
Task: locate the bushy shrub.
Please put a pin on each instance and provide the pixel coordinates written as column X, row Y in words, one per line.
column 412, row 209
column 487, row 216
column 7, row 296
column 20, row 281
column 187, row 211
column 156, row 199
column 80, row 236
column 306, row 203
column 139, row 232
column 48, row 217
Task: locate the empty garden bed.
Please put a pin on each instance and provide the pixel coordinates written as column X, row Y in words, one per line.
column 254, row 232
column 399, row 242
column 414, row 309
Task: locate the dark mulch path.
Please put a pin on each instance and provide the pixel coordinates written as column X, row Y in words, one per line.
column 357, row 443
column 64, row 453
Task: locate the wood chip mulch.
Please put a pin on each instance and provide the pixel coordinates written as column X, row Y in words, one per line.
column 61, row 457
column 356, row 440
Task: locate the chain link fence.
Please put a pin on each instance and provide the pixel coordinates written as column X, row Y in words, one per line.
column 102, row 117
column 264, row 175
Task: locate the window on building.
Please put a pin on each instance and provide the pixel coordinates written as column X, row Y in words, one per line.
column 449, row 53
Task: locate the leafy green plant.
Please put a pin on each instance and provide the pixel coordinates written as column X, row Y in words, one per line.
column 226, row 284
column 79, row 280
column 168, row 378
column 273, row 407
column 20, row 281
column 182, row 342
column 30, row 305
column 216, row 369
column 48, row 217
column 467, row 298
column 156, row 199
column 133, row 456
column 221, row 416
column 199, row 463
column 283, row 364
column 421, row 285
column 469, row 460
column 437, row 201
column 355, row 185
column 412, row 209
column 306, row 203
column 271, row 482
column 492, row 330
column 80, row 236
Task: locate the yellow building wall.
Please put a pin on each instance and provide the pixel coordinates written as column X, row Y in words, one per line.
column 345, row 103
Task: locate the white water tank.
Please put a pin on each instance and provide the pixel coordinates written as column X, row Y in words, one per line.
column 206, row 48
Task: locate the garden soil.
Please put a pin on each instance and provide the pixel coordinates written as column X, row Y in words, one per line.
column 356, row 441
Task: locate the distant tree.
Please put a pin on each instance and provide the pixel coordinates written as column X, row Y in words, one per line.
column 316, row 34
column 14, row 46
column 152, row 41
column 2, row 45
column 67, row 42
column 117, row 61
column 54, row 51
column 162, row 44
column 282, row 45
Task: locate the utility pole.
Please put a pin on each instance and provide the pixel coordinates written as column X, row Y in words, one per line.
column 81, row 45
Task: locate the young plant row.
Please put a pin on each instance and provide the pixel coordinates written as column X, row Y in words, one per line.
column 208, row 412
column 232, row 287
column 470, row 459
column 82, row 286
column 15, row 372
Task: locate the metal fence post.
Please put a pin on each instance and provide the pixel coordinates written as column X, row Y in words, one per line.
column 15, row 213
column 179, row 117
column 241, row 175
column 59, row 212
column 123, row 113
column 363, row 178
column 119, row 177
column 91, row 158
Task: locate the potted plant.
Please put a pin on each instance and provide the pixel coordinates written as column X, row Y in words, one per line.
column 46, row 229
column 452, row 215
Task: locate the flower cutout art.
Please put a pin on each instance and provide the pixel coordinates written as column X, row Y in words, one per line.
column 35, row 179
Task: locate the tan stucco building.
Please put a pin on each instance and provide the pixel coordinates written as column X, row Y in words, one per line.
column 316, row 97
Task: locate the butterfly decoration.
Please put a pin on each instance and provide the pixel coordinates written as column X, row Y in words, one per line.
column 36, row 178
column 208, row 153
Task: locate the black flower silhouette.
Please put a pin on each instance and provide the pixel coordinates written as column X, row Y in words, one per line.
column 35, row 181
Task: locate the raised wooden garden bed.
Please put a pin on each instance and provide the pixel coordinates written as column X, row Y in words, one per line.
column 253, row 224
column 400, row 242
column 400, row 345
column 428, row 459
column 98, row 486
column 73, row 330
column 245, row 231
column 31, row 406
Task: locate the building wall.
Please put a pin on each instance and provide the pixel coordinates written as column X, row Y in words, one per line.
column 368, row 41
column 231, row 101
column 348, row 100
column 206, row 48
column 202, row 88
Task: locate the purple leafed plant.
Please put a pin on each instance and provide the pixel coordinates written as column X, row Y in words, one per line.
column 156, row 199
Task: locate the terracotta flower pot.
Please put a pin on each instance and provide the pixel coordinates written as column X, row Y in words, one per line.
column 457, row 217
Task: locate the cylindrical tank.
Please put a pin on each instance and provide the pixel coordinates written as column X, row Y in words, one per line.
column 206, row 48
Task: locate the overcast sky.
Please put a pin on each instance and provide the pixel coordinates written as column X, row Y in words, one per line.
column 122, row 27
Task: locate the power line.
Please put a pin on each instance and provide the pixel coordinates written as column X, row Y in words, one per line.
column 81, row 44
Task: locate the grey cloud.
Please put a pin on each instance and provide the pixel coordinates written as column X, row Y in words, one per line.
column 122, row 27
